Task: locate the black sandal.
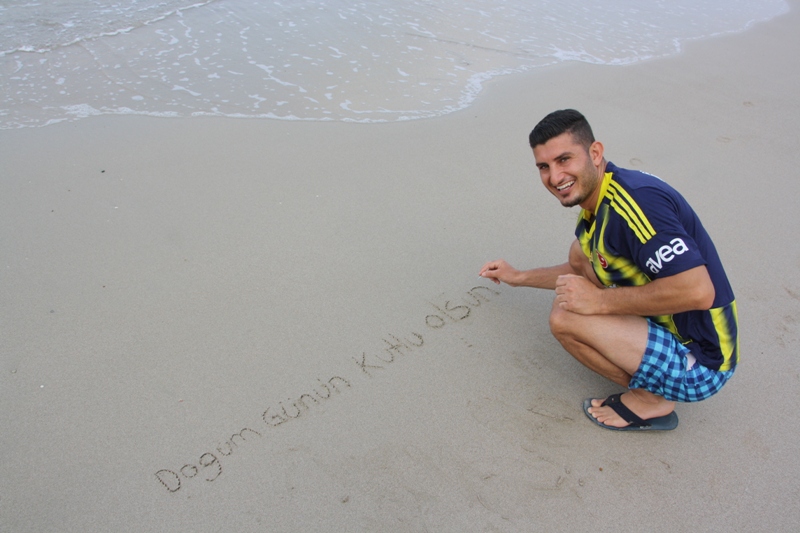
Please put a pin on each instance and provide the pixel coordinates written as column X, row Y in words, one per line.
column 659, row 423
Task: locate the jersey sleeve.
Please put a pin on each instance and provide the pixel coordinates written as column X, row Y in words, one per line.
column 661, row 246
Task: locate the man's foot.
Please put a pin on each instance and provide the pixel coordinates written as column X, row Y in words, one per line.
column 633, row 409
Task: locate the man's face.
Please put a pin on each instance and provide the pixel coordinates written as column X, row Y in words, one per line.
column 570, row 172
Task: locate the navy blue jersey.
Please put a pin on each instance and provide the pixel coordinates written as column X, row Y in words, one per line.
column 644, row 229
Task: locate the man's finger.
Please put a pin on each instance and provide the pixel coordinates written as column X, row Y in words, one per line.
column 490, row 266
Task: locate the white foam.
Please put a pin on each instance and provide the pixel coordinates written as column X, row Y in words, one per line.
column 319, row 59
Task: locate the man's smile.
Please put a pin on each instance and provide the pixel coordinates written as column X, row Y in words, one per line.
column 566, row 186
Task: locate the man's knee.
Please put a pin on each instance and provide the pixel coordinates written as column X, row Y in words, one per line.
column 561, row 322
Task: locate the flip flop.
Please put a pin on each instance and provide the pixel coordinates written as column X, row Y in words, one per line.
column 659, row 423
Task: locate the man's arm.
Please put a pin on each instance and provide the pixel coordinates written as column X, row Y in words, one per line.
column 538, row 278
column 686, row 291
column 541, row 278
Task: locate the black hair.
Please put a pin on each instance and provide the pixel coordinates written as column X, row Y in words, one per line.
column 562, row 121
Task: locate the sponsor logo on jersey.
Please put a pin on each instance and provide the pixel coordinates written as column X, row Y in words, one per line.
column 602, row 260
column 665, row 254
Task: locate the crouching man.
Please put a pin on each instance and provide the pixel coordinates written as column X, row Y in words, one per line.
column 643, row 298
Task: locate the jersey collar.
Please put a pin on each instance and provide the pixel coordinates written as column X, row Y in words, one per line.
column 587, row 215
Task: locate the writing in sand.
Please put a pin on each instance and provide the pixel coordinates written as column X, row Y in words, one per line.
column 208, row 466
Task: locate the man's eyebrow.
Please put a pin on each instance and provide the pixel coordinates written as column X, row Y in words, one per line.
column 556, row 158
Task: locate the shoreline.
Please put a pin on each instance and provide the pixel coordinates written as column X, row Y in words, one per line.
column 125, row 93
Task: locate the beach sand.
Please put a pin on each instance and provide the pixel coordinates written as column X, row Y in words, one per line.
column 243, row 325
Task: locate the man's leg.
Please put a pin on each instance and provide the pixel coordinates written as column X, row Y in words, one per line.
column 612, row 346
column 580, row 263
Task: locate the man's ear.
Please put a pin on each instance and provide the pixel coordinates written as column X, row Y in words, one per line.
column 596, row 152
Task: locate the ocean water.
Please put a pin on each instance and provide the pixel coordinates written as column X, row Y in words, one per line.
column 364, row 61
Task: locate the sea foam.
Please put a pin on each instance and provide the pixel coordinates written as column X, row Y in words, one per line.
column 370, row 61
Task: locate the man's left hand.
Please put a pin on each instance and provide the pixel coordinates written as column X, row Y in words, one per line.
column 578, row 295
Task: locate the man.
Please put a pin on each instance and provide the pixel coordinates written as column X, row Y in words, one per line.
column 643, row 299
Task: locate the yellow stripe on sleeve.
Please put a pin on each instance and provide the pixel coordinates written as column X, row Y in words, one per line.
column 629, row 209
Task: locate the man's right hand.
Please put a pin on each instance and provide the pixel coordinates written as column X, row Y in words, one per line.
column 539, row 278
column 499, row 270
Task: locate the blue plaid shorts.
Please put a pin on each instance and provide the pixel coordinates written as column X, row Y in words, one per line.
column 663, row 370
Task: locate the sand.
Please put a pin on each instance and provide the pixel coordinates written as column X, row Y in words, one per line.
column 241, row 325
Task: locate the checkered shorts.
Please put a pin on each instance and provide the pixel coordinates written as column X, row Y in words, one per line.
column 663, row 370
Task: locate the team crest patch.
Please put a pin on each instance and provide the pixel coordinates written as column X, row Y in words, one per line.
column 603, row 262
